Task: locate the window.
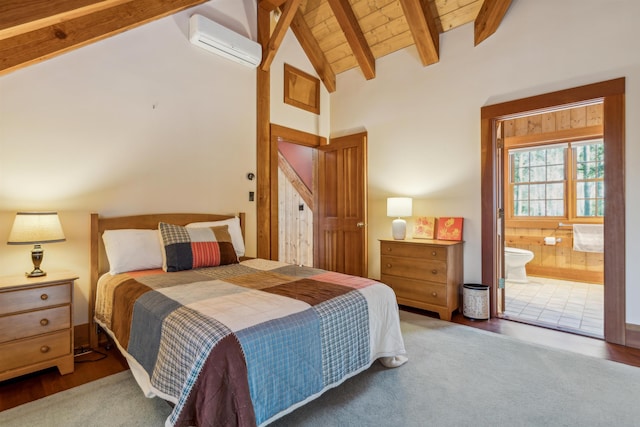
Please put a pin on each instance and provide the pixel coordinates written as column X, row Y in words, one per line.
column 538, row 177
column 589, row 179
column 560, row 181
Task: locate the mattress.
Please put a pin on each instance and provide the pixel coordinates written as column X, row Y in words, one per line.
column 247, row 343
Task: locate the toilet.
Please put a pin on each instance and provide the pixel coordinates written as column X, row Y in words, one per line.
column 515, row 260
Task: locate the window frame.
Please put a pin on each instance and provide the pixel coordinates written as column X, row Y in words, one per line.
column 570, row 181
column 512, row 183
column 596, row 180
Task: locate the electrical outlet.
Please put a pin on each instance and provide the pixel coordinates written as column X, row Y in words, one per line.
column 78, row 351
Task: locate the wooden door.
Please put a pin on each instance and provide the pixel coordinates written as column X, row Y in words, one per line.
column 341, row 237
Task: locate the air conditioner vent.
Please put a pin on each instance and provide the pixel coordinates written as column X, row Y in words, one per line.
column 216, row 38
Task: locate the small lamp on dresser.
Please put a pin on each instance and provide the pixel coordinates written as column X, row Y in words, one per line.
column 399, row 207
column 35, row 228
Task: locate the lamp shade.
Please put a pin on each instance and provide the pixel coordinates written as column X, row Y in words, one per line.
column 36, row 227
column 399, row 206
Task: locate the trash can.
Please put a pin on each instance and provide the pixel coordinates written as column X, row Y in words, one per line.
column 475, row 301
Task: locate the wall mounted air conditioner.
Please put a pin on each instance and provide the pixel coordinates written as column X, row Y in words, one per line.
column 218, row 39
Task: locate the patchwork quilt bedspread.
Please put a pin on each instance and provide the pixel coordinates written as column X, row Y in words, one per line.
column 245, row 344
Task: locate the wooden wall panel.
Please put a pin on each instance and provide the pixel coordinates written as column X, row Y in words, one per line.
column 559, row 261
column 574, row 118
column 295, row 226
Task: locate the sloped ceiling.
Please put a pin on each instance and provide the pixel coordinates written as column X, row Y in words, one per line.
column 337, row 35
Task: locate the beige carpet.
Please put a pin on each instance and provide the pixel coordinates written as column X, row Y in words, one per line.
column 456, row 375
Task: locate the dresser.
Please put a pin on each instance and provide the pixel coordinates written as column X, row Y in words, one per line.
column 425, row 274
column 36, row 324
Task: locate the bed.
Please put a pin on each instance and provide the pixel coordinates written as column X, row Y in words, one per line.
column 230, row 340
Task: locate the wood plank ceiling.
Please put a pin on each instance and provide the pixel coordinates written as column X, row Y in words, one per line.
column 337, row 35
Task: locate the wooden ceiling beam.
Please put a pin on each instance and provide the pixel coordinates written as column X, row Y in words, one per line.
column 72, row 30
column 19, row 16
column 313, row 51
column 352, row 31
column 423, row 29
column 489, row 19
column 289, row 11
column 270, row 5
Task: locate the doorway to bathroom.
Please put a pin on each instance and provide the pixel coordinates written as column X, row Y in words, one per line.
column 543, row 194
column 553, row 193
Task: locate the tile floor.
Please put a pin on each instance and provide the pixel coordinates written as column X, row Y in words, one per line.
column 559, row 304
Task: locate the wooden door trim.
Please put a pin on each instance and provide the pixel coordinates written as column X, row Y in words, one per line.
column 611, row 93
column 282, row 133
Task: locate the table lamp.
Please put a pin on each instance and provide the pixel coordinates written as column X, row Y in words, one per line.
column 35, row 228
column 399, row 207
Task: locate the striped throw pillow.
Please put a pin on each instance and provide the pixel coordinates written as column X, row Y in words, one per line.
column 187, row 248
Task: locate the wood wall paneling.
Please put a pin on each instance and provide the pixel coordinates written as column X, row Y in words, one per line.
column 295, row 226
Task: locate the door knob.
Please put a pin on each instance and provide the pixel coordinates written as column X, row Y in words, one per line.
column 360, row 224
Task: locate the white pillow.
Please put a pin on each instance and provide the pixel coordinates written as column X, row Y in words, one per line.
column 132, row 250
column 234, row 231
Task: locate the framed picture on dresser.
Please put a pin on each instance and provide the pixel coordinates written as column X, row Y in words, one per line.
column 450, row 228
column 424, row 228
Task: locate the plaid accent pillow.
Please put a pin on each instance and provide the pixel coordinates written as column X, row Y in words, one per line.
column 186, row 248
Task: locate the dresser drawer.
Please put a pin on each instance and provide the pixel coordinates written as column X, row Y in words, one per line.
column 33, row 323
column 413, row 251
column 34, row 350
column 415, row 290
column 34, row 298
column 413, row 268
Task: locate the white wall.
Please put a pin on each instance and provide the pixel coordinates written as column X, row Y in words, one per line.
column 424, row 122
column 137, row 123
column 291, row 53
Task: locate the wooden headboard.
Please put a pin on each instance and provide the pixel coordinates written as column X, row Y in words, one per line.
column 99, row 263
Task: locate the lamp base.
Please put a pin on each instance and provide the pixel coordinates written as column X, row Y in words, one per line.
column 36, row 273
column 399, row 229
column 36, row 257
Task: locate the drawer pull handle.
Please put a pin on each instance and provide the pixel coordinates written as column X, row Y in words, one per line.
column 44, row 349
column 44, row 297
column 434, row 253
column 388, row 249
column 434, row 271
column 434, row 294
column 388, row 265
column 44, row 322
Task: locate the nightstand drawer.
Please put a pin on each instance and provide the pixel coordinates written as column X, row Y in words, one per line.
column 34, row 350
column 33, row 323
column 34, row 298
column 415, row 290
column 413, row 268
column 413, row 251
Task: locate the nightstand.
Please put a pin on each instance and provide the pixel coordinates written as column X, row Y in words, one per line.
column 425, row 274
column 36, row 324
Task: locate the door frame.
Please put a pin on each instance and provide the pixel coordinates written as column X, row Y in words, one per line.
column 612, row 94
column 282, row 133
